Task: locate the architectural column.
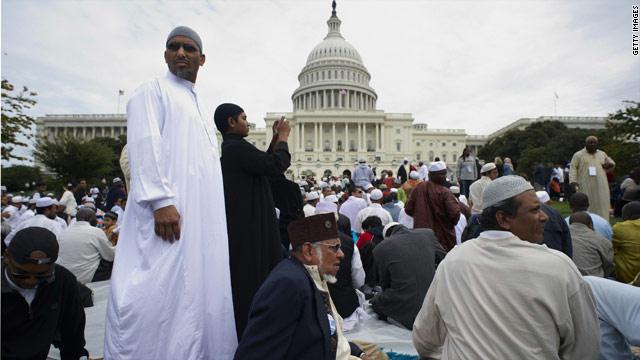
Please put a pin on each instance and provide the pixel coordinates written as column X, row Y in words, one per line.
column 84, row 132
column 333, row 137
column 382, row 137
column 377, row 142
column 359, row 142
column 303, row 145
column 321, row 136
column 315, row 136
column 346, row 137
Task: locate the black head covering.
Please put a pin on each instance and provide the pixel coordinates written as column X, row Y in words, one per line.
column 33, row 239
column 222, row 114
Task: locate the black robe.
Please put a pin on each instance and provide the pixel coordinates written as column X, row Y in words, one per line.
column 254, row 239
column 288, row 199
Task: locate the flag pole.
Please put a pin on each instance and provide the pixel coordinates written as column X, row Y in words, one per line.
column 120, row 93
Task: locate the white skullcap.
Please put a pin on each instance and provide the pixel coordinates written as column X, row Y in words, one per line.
column 325, row 207
column 376, row 194
column 312, row 195
column 437, row 166
column 543, row 196
column 387, row 227
column 116, row 179
column 405, row 159
column 368, row 186
column 362, row 160
column 455, row 189
column 414, row 175
column 44, row 202
column 88, row 199
column 89, row 205
column 323, row 185
column 16, row 199
column 394, row 190
column 94, row 190
column 504, row 188
column 32, row 201
column 330, row 198
column 487, row 167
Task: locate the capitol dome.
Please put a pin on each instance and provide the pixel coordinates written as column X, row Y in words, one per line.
column 334, row 77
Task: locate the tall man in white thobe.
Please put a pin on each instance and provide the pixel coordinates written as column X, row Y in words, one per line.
column 170, row 288
column 587, row 175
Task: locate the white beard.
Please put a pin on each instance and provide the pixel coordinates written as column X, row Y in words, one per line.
column 329, row 278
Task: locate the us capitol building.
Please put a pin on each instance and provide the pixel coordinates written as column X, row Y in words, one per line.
column 334, row 121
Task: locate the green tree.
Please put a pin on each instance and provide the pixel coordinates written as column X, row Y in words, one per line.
column 541, row 142
column 624, row 128
column 14, row 121
column 15, row 177
column 72, row 158
column 116, row 146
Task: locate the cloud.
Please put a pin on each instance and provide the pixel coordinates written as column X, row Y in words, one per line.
column 476, row 65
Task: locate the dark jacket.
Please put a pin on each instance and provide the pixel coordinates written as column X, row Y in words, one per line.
column 254, row 236
column 406, row 263
column 342, row 292
column 28, row 331
column 288, row 319
column 557, row 235
column 288, row 199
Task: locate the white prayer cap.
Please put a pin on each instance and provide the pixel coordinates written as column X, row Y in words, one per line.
column 504, row 188
column 455, row 189
column 44, row 202
column 50, row 195
column 94, row 190
column 89, row 205
column 414, row 175
column 387, row 227
column 312, row 195
column 116, row 179
column 543, row 196
column 55, row 201
column 323, row 185
column 368, row 186
column 437, row 166
column 16, row 199
column 376, row 194
column 394, row 190
column 88, row 199
column 32, row 201
column 325, row 207
column 362, row 160
column 487, row 167
column 330, row 198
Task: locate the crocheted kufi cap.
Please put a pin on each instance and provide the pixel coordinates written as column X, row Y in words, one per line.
column 504, row 188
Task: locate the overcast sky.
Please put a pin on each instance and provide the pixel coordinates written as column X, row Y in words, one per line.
column 475, row 65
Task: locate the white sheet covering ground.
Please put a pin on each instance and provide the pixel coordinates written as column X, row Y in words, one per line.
column 387, row 336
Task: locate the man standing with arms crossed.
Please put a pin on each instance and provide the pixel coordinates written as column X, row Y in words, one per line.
column 170, row 289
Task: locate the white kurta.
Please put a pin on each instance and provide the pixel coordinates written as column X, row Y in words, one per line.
column 171, row 301
column 586, row 169
column 499, row 297
column 81, row 248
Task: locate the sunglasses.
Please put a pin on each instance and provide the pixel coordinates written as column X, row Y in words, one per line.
column 333, row 247
column 175, row 46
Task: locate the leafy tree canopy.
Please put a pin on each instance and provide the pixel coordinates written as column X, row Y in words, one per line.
column 14, row 120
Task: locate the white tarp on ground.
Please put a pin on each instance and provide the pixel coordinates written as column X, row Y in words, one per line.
column 387, row 336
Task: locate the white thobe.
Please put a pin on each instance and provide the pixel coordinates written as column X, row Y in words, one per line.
column 309, row 210
column 69, row 202
column 374, row 209
column 475, row 193
column 38, row 220
column 351, row 208
column 586, row 170
column 423, row 171
column 27, row 215
column 14, row 216
column 81, row 248
column 171, row 301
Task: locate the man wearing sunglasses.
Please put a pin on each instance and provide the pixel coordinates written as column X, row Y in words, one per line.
column 39, row 299
column 292, row 315
column 171, row 270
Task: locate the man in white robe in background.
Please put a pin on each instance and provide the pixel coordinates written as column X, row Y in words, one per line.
column 170, row 288
column 587, row 175
column 44, row 218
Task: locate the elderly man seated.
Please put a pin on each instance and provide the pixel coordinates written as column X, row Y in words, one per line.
column 406, row 261
column 292, row 315
column 592, row 252
column 504, row 295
